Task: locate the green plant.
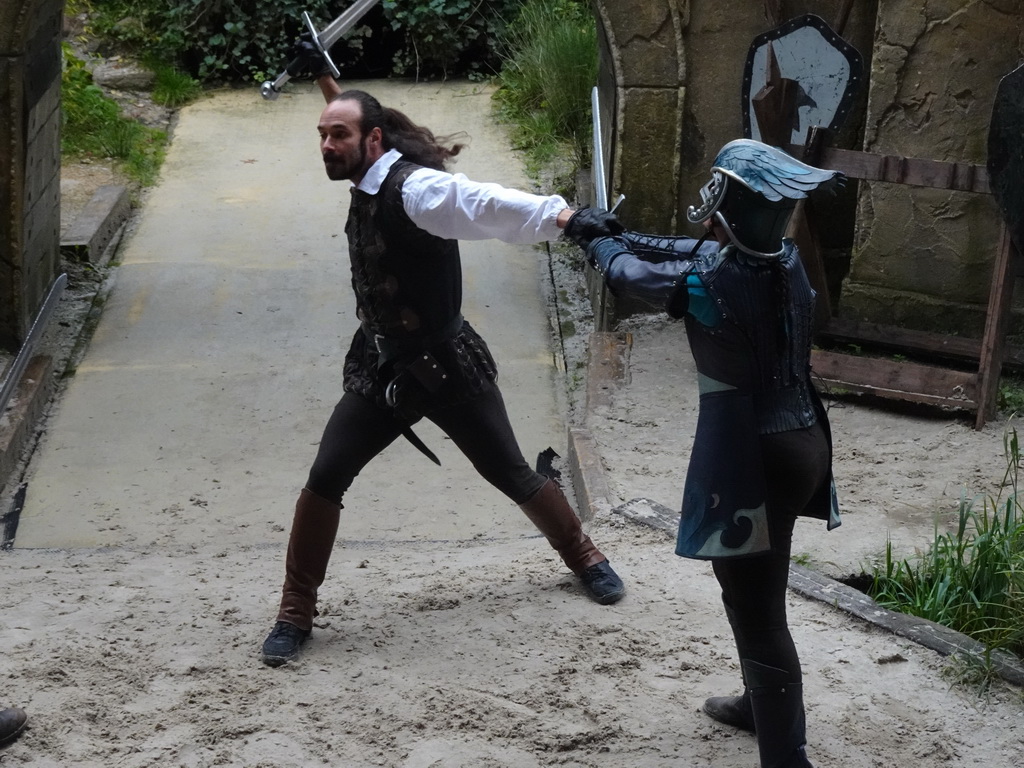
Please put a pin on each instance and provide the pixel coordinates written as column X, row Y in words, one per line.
column 92, row 124
column 442, row 37
column 1011, row 394
column 172, row 87
column 971, row 580
column 549, row 70
column 252, row 39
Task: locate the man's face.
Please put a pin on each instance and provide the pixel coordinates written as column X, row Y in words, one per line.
column 342, row 144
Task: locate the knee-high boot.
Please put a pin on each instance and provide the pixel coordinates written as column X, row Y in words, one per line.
column 309, row 549
column 778, row 708
column 732, row 710
column 550, row 512
column 314, row 528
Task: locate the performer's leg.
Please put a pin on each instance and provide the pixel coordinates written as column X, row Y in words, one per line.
column 481, row 429
column 356, row 432
column 754, row 593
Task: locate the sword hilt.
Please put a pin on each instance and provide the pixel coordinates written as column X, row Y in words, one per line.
column 270, row 90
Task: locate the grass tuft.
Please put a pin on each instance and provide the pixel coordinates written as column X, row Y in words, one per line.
column 972, row 580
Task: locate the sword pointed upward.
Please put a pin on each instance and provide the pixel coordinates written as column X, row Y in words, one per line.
column 323, row 41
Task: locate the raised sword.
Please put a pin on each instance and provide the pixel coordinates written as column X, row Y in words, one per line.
column 323, row 41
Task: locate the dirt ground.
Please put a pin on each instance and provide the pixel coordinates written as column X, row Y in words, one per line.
column 485, row 654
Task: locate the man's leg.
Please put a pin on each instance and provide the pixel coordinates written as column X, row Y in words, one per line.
column 356, row 432
column 480, row 428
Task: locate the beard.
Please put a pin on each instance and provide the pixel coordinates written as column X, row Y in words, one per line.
column 340, row 167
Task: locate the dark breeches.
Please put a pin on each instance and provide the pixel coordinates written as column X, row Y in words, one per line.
column 754, row 588
column 358, row 430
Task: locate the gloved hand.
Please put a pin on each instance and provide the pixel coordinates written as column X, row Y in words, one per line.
column 306, row 58
column 588, row 224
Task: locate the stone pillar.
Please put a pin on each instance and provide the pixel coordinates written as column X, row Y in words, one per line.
column 30, row 69
column 923, row 258
column 641, row 86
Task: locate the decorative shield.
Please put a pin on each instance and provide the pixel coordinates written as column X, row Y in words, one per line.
column 1006, row 153
column 822, row 73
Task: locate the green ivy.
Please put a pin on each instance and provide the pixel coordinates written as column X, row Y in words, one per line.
column 445, row 37
column 245, row 40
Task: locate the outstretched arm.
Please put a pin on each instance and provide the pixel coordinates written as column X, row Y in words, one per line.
column 652, row 281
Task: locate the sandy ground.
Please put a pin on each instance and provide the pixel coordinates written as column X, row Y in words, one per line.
column 484, row 653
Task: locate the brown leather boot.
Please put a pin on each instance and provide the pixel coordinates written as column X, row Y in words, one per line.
column 314, row 528
column 551, row 513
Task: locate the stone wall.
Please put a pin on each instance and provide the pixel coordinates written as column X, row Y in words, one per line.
column 671, row 82
column 30, row 67
column 923, row 258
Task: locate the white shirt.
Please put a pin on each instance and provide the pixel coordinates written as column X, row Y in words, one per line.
column 451, row 206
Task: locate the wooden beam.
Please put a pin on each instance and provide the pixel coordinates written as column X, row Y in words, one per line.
column 927, row 343
column 917, row 172
column 896, row 380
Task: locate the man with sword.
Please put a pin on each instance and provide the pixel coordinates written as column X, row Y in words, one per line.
column 414, row 355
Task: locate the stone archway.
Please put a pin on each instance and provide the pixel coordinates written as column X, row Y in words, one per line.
column 30, row 70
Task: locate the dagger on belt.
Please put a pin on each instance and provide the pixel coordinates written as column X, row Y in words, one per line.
column 323, row 41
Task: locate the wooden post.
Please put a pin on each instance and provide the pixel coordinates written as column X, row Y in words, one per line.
column 992, row 342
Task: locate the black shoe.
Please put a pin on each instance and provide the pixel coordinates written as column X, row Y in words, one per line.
column 12, row 723
column 283, row 644
column 603, row 584
column 731, row 710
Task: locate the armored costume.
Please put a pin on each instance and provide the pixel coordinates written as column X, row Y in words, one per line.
column 762, row 450
column 415, row 356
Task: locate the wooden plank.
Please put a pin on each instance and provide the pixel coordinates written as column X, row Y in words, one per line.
column 905, row 340
column 998, row 319
column 918, row 172
column 897, row 380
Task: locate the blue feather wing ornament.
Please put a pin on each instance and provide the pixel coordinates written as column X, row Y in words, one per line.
column 771, row 172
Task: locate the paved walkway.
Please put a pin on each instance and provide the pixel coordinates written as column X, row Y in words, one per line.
column 197, row 409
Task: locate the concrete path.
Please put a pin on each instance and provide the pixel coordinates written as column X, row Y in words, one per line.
column 197, row 409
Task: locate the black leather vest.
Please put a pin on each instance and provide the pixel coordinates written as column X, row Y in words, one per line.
column 408, row 283
column 762, row 344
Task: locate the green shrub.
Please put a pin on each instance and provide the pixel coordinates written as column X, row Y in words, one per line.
column 549, row 71
column 251, row 39
column 92, row 125
column 445, row 37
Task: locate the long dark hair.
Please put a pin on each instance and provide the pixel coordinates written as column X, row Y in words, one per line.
column 415, row 142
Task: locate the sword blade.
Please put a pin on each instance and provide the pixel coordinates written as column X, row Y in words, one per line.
column 348, row 19
column 10, row 382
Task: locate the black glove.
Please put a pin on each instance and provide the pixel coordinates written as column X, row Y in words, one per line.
column 306, row 59
column 588, row 224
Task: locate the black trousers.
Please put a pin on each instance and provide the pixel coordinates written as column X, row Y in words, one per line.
column 754, row 588
column 358, row 430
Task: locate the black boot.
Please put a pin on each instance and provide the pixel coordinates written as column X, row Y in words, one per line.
column 732, row 710
column 778, row 708
column 12, row 722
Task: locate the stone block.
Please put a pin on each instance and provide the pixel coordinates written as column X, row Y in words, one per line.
column 96, row 226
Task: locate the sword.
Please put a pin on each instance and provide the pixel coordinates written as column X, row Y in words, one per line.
column 38, row 326
column 323, row 42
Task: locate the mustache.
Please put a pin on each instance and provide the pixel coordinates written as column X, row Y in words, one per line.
column 330, row 157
